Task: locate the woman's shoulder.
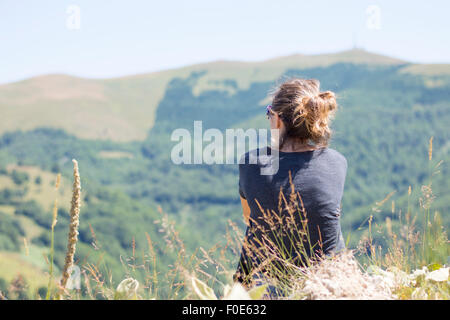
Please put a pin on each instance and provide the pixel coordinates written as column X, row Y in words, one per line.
column 263, row 156
column 255, row 156
column 336, row 155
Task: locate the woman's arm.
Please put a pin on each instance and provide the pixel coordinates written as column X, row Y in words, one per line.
column 245, row 210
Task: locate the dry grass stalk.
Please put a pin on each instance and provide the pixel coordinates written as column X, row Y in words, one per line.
column 283, row 243
column 25, row 243
column 58, row 181
column 73, row 226
column 55, row 214
column 430, row 149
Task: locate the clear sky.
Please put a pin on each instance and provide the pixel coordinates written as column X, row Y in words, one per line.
column 114, row 38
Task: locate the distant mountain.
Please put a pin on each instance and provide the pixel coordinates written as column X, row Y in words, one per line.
column 123, row 109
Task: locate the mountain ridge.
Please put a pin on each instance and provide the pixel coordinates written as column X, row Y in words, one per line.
column 341, row 56
column 123, row 109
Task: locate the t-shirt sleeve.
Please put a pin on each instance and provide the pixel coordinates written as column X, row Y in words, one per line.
column 241, row 179
column 241, row 192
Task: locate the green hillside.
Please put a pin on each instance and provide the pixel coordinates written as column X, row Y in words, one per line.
column 123, row 109
column 119, row 131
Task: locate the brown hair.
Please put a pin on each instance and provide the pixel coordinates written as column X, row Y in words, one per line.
column 305, row 110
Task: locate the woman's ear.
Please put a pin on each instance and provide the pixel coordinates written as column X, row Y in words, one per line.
column 279, row 122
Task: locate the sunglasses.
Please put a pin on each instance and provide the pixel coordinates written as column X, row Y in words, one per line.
column 269, row 110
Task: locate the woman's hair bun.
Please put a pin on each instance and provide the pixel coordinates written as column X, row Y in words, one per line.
column 305, row 110
column 329, row 100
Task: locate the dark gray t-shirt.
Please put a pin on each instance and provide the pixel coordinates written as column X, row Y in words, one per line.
column 318, row 176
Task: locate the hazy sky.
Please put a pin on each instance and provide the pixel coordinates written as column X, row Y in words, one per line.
column 115, row 38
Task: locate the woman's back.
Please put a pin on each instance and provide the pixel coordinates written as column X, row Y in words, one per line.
column 317, row 176
column 294, row 212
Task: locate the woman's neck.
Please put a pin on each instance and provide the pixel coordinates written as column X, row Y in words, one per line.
column 296, row 146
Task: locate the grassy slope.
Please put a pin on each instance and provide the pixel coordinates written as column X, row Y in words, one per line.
column 31, row 263
column 44, row 193
column 123, row 109
column 14, row 263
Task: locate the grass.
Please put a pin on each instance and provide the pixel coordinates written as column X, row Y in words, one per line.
column 52, row 244
column 417, row 241
column 407, row 260
column 418, row 238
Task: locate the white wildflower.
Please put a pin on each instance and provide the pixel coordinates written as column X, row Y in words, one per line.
column 127, row 288
column 438, row 275
column 420, row 272
column 237, row 292
column 202, row 290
